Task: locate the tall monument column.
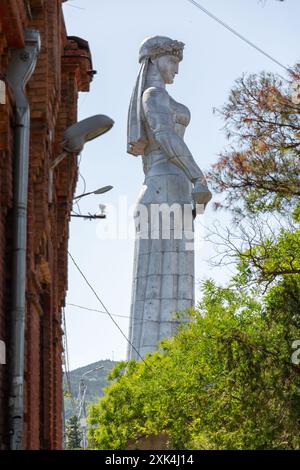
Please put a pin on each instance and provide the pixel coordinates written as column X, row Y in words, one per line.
column 174, row 186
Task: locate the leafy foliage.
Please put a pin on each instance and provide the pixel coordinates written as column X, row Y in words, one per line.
column 260, row 171
column 271, row 257
column 259, row 178
column 225, row 381
column 73, row 435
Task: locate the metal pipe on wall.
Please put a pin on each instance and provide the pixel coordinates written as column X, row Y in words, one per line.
column 19, row 71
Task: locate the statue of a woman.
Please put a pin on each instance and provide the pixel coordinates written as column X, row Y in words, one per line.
column 163, row 278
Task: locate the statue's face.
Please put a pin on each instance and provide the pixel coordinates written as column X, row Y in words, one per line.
column 168, row 66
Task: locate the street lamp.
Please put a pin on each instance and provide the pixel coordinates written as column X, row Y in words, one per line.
column 83, row 131
column 75, row 136
column 82, row 407
column 103, row 190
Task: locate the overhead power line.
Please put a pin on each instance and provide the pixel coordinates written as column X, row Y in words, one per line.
column 106, row 310
column 236, row 33
column 95, row 310
column 89, row 309
column 75, row 6
column 67, row 361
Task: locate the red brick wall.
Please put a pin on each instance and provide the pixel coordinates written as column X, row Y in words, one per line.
column 61, row 72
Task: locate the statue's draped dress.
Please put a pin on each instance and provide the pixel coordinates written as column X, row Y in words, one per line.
column 163, row 273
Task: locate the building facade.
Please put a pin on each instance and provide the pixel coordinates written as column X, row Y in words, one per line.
column 63, row 68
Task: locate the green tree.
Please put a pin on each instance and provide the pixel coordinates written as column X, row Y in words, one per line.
column 73, row 434
column 258, row 178
column 225, row 381
column 259, row 172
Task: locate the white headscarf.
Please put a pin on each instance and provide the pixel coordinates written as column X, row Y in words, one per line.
column 136, row 136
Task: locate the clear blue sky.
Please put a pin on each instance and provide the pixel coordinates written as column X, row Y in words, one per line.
column 213, row 59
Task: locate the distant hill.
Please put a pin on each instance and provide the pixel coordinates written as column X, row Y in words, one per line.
column 95, row 381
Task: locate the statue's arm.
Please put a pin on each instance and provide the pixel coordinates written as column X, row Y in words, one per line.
column 156, row 106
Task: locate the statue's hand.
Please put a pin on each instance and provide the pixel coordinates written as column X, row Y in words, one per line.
column 201, row 193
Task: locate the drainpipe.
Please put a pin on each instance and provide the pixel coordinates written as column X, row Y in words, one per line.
column 19, row 71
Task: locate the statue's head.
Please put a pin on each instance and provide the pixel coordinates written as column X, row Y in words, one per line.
column 163, row 52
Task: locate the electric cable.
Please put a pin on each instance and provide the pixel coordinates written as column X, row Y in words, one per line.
column 95, row 310
column 236, row 33
column 120, row 316
column 67, row 363
column 111, row 317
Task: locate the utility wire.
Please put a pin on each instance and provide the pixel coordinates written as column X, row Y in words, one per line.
column 120, row 316
column 98, row 311
column 236, row 33
column 150, row 367
column 67, row 363
column 75, row 6
column 67, row 368
column 113, row 320
column 83, row 180
column 78, row 207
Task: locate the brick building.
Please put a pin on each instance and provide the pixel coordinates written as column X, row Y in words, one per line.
column 62, row 69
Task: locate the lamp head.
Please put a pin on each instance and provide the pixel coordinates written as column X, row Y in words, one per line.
column 105, row 189
column 81, row 132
